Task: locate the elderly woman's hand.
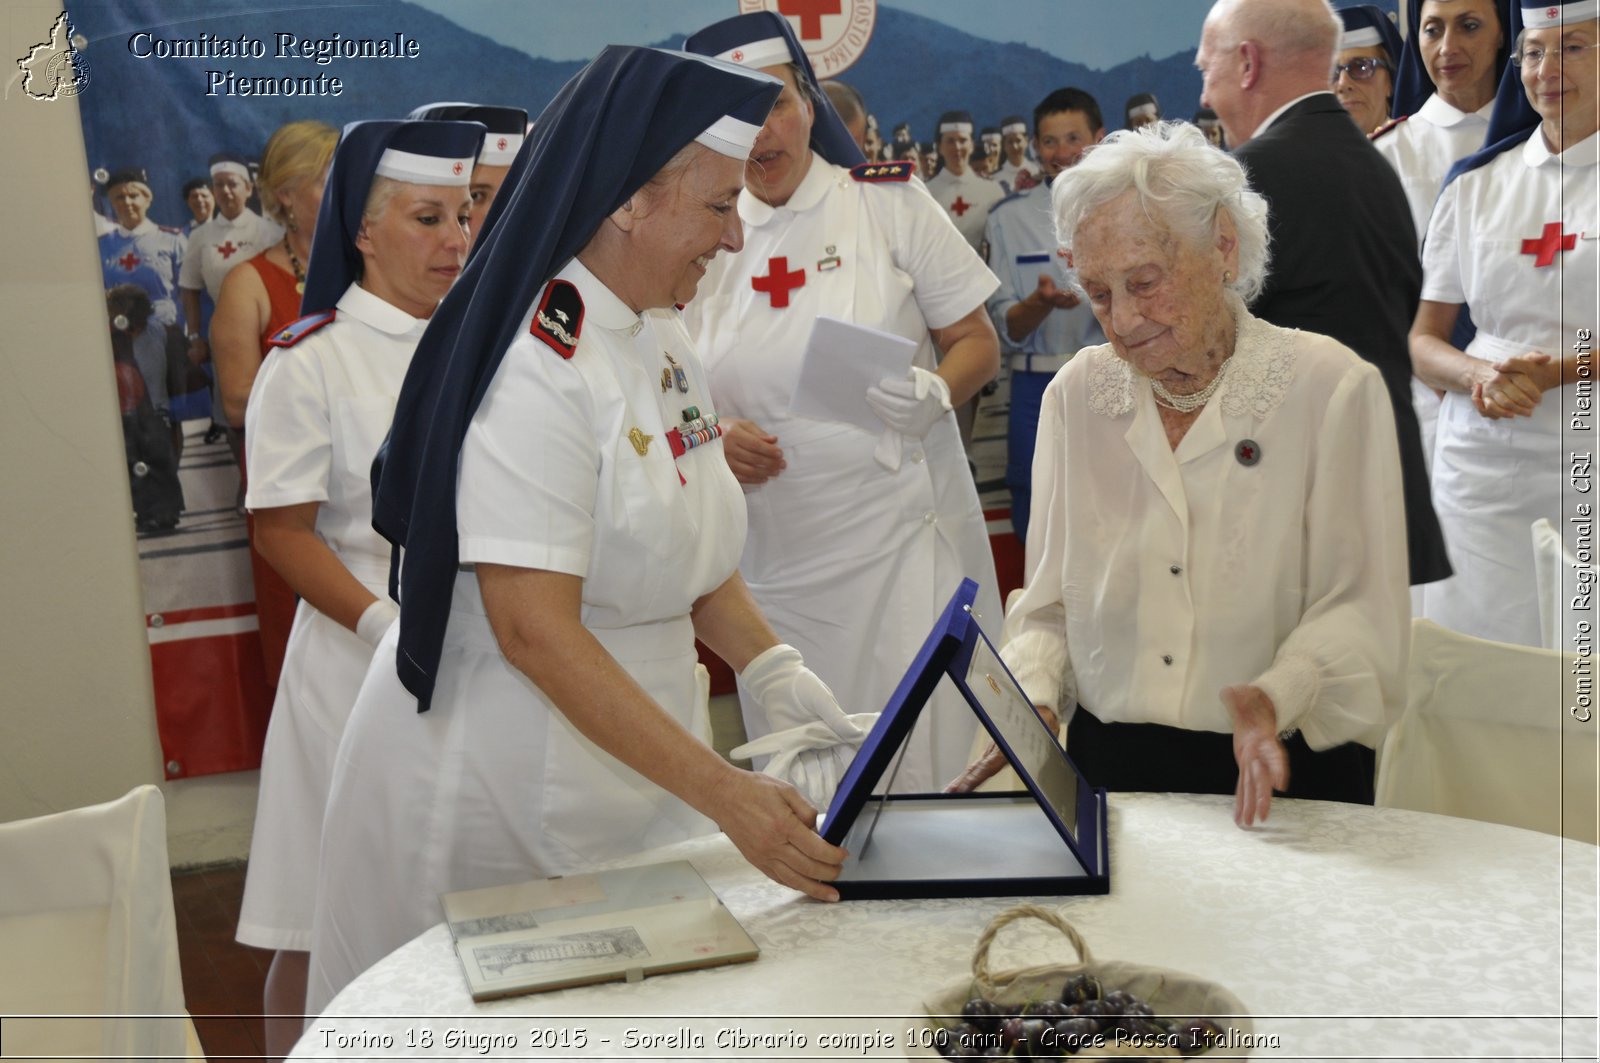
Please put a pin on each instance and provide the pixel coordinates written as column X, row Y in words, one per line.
column 991, row 760
column 775, row 829
column 1263, row 762
column 754, row 456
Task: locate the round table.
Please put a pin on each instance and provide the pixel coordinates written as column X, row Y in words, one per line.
column 1346, row 930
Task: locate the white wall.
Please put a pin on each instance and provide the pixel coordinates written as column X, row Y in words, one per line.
column 77, row 724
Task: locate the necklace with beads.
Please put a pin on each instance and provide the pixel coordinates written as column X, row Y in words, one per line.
column 1187, row 403
column 294, row 262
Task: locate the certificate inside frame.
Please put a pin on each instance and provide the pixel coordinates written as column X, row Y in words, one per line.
column 1049, row 839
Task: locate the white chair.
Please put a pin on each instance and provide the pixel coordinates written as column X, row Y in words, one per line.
column 87, row 932
column 1559, row 576
column 1488, row 734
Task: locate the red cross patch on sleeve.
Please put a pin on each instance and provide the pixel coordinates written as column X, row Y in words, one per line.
column 877, row 172
column 559, row 319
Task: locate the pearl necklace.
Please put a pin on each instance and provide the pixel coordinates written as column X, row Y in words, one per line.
column 1187, row 403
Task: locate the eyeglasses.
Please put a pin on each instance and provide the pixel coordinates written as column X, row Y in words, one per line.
column 1360, row 69
column 1567, row 53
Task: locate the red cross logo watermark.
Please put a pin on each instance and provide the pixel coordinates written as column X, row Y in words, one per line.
column 833, row 33
column 128, row 261
column 779, row 281
column 810, row 13
column 226, row 250
column 960, row 206
column 1548, row 243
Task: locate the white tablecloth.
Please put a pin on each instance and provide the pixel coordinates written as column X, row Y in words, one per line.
column 1346, row 930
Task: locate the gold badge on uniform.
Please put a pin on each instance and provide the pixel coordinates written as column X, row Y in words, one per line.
column 640, row 441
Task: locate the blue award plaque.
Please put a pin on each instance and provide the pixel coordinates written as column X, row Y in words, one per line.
column 1048, row 839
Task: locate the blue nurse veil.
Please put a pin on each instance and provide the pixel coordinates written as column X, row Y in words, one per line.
column 423, row 153
column 763, row 38
column 607, row 132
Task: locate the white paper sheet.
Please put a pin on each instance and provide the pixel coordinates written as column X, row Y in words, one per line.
column 841, row 362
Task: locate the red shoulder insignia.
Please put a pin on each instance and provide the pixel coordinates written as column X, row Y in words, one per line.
column 559, row 318
column 878, row 172
column 1385, row 127
column 295, row 331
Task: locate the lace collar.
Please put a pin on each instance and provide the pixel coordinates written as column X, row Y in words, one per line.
column 1261, row 370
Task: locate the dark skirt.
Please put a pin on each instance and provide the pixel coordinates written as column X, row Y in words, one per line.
column 1152, row 757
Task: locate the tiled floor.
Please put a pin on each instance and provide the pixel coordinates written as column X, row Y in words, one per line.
column 222, row 979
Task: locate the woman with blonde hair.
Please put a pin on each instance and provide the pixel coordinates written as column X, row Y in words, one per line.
column 257, row 301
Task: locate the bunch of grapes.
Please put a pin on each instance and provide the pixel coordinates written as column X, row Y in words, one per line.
column 1085, row 1017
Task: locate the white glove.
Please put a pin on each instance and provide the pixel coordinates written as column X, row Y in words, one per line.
column 375, row 620
column 813, row 741
column 812, row 757
column 909, row 407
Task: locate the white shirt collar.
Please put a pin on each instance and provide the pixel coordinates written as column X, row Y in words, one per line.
column 143, row 227
column 807, row 194
column 1275, row 115
column 601, row 306
column 1535, row 152
column 1441, row 113
column 380, row 314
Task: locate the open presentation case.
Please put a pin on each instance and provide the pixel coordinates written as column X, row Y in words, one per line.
column 1049, row 839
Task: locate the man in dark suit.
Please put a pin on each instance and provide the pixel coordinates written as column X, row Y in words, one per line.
column 1344, row 258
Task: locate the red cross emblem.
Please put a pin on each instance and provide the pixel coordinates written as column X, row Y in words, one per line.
column 501, row 143
column 456, row 169
column 960, row 206
column 226, row 250
column 738, row 55
column 779, row 281
column 810, row 13
column 1551, row 12
column 1549, row 242
column 128, row 261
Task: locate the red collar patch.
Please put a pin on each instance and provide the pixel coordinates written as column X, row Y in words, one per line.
column 559, row 319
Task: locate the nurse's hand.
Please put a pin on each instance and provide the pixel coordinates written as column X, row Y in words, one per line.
column 754, row 456
column 775, row 829
column 812, row 757
column 1513, row 388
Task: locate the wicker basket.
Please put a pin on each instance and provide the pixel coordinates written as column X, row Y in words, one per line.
column 1169, row 993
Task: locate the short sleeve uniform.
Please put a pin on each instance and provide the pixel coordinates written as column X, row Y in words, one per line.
column 149, row 256
column 1515, row 240
column 968, row 199
column 1021, row 237
column 220, row 244
column 317, row 414
column 851, row 563
column 1422, row 149
column 568, row 466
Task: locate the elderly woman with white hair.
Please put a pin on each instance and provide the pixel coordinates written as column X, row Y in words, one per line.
column 1217, row 562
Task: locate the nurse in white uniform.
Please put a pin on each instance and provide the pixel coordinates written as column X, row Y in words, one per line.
column 391, row 237
column 1450, row 67
column 1514, row 240
column 857, row 540
column 538, row 709
column 1444, row 92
